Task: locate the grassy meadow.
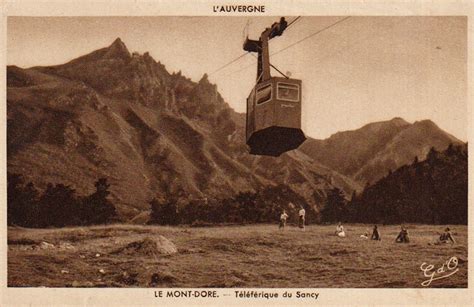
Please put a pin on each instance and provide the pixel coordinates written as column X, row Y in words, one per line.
column 231, row 256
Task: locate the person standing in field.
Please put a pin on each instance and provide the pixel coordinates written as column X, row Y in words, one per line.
column 283, row 218
column 375, row 234
column 301, row 214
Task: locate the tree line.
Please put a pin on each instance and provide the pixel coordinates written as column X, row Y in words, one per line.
column 262, row 206
column 59, row 206
column 56, row 206
column 433, row 191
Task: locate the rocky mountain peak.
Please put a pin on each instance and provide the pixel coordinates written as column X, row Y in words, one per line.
column 204, row 79
column 426, row 123
column 398, row 121
column 117, row 50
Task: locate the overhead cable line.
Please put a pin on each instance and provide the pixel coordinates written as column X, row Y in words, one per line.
column 293, row 21
column 225, row 65
column 295, row 43
column 311, row 35
column 244, row 54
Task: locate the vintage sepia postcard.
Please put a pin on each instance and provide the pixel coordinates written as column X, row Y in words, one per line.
column 226, row 153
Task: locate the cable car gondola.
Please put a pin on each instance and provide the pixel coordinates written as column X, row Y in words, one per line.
column 274, row 104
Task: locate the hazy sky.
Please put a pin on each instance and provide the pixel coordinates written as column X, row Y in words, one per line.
column 362, row 70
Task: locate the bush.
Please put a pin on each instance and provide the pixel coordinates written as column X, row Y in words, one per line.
column 57, row 206
column 164, row 212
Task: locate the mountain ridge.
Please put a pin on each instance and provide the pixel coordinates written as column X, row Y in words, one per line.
column 125, row 117
column 377, row 148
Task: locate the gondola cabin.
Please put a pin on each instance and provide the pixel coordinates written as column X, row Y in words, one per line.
column 274, row 117
column 274, row 104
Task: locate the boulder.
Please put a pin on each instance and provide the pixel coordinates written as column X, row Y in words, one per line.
column 149, row 246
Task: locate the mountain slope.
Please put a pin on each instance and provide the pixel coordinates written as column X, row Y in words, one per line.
column 430, row 191
column 414, row 141
column 368, row 153
column 123, row 116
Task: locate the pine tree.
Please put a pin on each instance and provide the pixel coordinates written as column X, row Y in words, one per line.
column 22, row 202
column 164, row 212
column 433, row 191
column 58, row 205
column 97, row 209
column 335, row 208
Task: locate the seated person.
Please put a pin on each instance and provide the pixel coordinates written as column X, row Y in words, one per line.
column 446, row 237
column 340, row 230
column 375, row 234
column 365, row 236
column 402, row 236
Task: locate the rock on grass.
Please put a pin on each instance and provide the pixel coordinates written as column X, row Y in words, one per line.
column 161, row 278
column 150, row 246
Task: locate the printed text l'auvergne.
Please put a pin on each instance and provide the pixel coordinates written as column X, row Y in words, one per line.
column 238, row 8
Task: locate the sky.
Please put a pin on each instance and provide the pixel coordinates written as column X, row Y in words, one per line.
column 362, row 70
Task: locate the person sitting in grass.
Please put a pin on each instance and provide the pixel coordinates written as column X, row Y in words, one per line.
column 283, row 218
column 340, row 230
column 446, row 237
column 375, row 234
column 402, row 236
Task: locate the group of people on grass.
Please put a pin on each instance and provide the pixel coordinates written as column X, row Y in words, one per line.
column 301, row 219
column 445, row 237
column 375, row 234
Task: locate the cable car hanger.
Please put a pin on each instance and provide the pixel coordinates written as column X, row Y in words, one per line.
column 261, row 47
column 273, row 66
column 244, row 54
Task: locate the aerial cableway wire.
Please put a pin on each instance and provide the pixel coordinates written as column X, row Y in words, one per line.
column 293, row 21
column 294, row 44
column 244, row 54
column 311, row 35
column 225, row 65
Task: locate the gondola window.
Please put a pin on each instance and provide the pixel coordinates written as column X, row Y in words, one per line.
column 288, row 92
column 264, row 94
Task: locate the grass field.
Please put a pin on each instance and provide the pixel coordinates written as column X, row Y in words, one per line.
column 231, row 256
